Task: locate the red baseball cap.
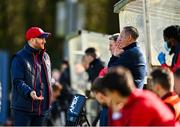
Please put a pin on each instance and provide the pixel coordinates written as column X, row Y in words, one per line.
column 36, row 32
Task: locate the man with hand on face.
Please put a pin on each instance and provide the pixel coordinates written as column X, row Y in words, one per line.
column 128, row 54
column 113, row 45
column 113, row 49
column 31, row 76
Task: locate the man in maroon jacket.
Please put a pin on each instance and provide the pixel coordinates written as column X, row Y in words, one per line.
column 140, row 108
column 162, row 81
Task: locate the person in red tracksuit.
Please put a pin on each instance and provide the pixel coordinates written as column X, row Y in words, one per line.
column 162, row 81
column 132, row 106
column 172, row 45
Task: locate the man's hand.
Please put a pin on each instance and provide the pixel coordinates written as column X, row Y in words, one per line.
column 117, row 51
column 35, row 97
column 116, row 107
column 121, row 45
column 161, row 58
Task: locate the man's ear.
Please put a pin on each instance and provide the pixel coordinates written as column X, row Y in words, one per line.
column 129, row 37
column 157, row 87
column 32, row 40
column 100, row 96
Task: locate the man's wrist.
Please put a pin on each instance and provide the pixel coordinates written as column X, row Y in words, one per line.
column 32, row 93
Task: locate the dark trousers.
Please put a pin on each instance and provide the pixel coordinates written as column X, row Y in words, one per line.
column 21, row 118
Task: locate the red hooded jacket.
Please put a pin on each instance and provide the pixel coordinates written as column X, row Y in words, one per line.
column 143, row 108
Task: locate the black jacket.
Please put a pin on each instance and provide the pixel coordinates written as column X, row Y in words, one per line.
column 24, row 74
column 132, row 58
column 94, row 68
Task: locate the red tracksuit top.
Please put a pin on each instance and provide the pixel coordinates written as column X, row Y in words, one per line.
column 144, row 108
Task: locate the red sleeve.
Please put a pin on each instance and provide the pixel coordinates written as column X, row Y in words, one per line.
column 164, row 65
column 103, row 72
column 151, row 115
column 177, row 64
column 141, row 116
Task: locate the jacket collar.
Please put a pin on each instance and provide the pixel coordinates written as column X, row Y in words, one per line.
column 168, row 95
column 134, row 44
column 31, row 50
column 97, row 60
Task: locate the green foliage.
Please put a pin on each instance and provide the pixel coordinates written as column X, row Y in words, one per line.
column 100, row 16
column 16, row 16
